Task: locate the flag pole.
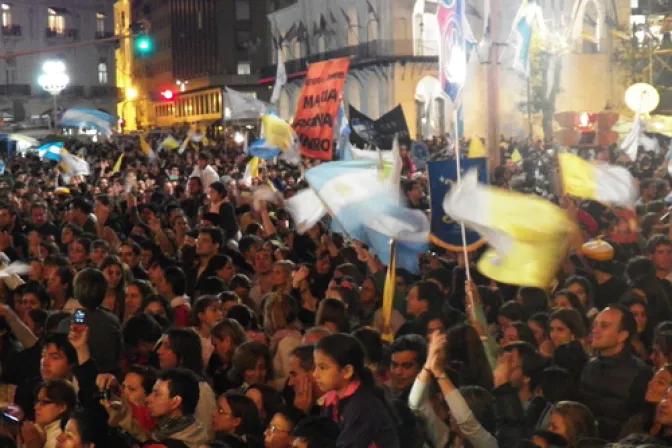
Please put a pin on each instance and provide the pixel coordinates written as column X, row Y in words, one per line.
column 456, row 114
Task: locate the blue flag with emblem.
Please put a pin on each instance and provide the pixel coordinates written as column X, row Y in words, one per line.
column 442, row 176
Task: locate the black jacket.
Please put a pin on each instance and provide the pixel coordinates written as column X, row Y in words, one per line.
column 364, row 420
column 613, row 388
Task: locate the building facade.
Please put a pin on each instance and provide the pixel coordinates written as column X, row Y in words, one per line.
column 394, row 49
column 201, row 47
column 48, row 25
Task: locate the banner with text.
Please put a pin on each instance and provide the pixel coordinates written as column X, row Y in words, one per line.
column 379, row 133
column 318, row 107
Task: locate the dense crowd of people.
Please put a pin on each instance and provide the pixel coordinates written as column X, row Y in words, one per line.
column 167, row 306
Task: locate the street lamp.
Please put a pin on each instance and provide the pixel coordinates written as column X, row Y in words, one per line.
column 54, row 80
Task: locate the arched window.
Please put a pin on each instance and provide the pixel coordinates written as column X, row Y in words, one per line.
column 353, row 93
column 353, row 26
column 102, row 72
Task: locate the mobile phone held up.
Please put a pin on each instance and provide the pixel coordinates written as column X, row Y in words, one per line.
column 79, row 320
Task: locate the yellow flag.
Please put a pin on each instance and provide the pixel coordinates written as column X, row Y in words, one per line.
column 528, row 235
column 600, row 182
column 516, row 157
column 477, row 148
column 277, row 132
column 388, row 294
column 144, row 146
column 117, row 165
column 170, row 143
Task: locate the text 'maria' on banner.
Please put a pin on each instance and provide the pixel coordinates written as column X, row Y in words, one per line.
column 318, row 106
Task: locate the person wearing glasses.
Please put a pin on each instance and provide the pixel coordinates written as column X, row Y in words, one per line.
column 278, row 434
column 237, row 418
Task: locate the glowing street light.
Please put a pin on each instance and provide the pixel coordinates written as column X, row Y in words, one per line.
column 131, row 93
column 54, row 80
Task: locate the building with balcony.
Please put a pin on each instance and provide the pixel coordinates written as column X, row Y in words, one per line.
column 47, row 26
column 393, row 46
column 200, row 48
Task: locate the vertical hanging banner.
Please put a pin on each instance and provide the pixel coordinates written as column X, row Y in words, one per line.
column 453, row 54
column 318, row 107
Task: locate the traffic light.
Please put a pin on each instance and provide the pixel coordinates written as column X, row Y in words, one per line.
column 144, row 44
column 167, row 95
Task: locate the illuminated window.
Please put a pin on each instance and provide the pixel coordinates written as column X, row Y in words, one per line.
column 102, row 72
column 56, row 21
column 100, row 23
column 6, row 14
column 634, row 3
column 244, row 68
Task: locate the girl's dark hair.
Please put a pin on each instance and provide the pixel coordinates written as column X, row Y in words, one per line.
column 270, row 398
column 573, row 300
column 200, row 306
column 372, row 342
column 525, row 333
column 60, row 392
column 244, row 408
column 245, row 358
column 585, row 284
column 152, row 298
column 345, row 350
column 513, row 311
column 540, row 319
column 92, row 427
column 480, row 403
column 332, row 311
column 492, row 300
column 186, row 344
column 534, row 300
column 113, row 260
column 144, row 286
column 465, row 348
column 148, row 375
column 244, row 315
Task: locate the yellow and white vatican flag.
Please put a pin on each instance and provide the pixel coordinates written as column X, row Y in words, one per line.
column 527, row 235
column 604, row 183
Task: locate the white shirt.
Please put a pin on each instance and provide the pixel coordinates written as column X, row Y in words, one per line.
column 208, row 175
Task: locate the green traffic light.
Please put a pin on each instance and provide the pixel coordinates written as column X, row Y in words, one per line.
column 143, row 44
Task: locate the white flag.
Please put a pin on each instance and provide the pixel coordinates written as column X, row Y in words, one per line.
column 280, row 78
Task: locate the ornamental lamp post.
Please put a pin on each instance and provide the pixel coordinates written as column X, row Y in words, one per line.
column 54, row 80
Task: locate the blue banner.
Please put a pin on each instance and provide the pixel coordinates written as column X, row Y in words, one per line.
column 444, row 231
column 419, row 154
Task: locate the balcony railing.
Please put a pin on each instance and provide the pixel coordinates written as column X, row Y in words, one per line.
column 15, row 89
column 105, row 92
column 104, row 34
column 12, row 31
column 377, row 49
column 68, row 33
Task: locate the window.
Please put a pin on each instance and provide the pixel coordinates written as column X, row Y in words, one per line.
column 100, row 23
column 102, row 72
column 242, row 10
column 244, row 68
column 634, row 3
column 243, row 40
column 56, row 21
column 10, row 71
column 6, row 14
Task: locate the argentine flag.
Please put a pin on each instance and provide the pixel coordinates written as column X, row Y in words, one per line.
column 261, row 149
column 365, row 206
column 51, row 151
column 78, row 117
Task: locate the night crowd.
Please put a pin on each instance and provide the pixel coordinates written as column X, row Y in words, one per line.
column 166, row 306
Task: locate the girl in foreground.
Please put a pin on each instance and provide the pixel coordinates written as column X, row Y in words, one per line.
column 352, row 400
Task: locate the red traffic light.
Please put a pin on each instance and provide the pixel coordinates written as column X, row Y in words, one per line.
column 168, row 95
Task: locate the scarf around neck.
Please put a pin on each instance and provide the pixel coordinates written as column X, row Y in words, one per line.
column 167, row 426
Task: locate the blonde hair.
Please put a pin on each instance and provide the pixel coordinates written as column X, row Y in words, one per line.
column 278, row 312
